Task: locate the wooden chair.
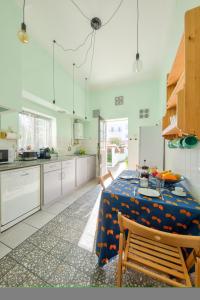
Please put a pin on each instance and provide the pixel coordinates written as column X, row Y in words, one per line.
column 102, row 179
column 157, row 254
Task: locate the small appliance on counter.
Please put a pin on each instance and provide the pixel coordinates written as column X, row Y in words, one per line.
column 29, row 155
column 7, row 156
column 44, row 153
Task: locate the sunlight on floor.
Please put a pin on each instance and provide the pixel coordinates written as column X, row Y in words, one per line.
column 87, row 239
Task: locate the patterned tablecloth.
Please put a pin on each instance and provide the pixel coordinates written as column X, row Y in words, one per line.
column 168, row 213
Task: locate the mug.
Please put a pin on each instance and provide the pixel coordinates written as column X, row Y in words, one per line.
column 190, row 142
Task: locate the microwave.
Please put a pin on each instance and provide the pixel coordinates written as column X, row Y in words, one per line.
column 6, row 156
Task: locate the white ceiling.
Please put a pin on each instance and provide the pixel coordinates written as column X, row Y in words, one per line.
column 115, row 43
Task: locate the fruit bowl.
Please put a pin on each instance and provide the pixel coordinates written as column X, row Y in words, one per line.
column 169, row 178
column 171, row 181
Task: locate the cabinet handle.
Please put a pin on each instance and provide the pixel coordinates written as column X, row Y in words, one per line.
column 25, row 174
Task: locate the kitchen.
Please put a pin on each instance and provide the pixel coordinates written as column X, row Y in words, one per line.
column 52, row 113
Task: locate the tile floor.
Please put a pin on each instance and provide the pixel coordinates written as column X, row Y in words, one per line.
column 48, row 249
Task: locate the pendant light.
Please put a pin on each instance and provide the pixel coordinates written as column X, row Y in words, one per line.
column 53, row 77
column 138, row 65
column 22, row 34
column 74, row 88
column 86, row 93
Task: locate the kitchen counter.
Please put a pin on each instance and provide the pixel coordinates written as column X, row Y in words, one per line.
column 24, row 164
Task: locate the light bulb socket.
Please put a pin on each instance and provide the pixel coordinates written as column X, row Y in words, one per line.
column 23, row 27
column 137, row 56
column 54, row 101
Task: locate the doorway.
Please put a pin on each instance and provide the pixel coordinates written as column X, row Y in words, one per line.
column 115, row 150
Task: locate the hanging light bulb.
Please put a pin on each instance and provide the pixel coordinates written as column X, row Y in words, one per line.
column 73, row 89
column 22, row 33
column 138, row 65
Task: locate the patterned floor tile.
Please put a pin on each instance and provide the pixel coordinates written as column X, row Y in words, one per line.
column 61, row 250
column 81, row 259
column 6, row 264
column 49, row 228
column 45, row 266
column 22, row 250
column 32, row 281
column 31, row 259
column 15, row 276
column 70, row 235
column 62, row 276
column 3, row 284
column 43, row 241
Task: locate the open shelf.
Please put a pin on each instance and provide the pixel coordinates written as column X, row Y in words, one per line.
column 178, row 65
column 183, row 83
column 172, row 102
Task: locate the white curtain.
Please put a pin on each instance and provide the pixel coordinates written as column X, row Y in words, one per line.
column 35, row 131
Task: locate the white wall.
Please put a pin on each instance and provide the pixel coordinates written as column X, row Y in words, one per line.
column 187, row 163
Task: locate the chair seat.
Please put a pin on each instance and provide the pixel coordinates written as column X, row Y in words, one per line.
column 160, row 261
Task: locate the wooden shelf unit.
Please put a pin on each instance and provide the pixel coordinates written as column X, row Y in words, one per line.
column 183, row 83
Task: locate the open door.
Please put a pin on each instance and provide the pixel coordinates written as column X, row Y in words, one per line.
column 102, row 153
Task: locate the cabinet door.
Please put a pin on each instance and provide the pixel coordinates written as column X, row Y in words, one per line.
column 68, row 176
column 20, row 193
column 52, row 186
column 91, row 167
column 81, row 171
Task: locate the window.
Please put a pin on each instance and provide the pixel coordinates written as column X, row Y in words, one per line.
column 35, row 131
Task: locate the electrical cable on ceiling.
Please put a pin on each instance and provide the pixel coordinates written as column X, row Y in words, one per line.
column 86, row 94
column 96, row 25
column 80, row 10
column 77, row 48
column 138, row 18
column 24, row 4
column 54, row 91
column 92, row 59
column 87, row 52
column 73, row 92
column 114, row 13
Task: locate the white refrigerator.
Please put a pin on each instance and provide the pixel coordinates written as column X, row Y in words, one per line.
column 151, row 147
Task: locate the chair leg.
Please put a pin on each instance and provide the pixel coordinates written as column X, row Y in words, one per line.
column 197, row 272
column 119, row 272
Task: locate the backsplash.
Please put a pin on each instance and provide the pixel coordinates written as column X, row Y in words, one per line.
column 187, row 163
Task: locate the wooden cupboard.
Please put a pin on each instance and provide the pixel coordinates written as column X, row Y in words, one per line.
column 182, row 116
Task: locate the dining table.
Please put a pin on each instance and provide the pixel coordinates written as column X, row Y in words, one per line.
column 166, row 212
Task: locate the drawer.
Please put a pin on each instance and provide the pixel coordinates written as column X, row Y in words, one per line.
column 68, row 163
column 52, row 167
column 21, row 172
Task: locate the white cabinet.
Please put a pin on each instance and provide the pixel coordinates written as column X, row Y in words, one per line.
column 20, row 194
column 85, row 169
column 81, row 171
column 52, row 182
column 91, row 167
column 68, row 176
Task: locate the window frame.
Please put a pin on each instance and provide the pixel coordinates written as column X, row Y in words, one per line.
column 42, row 116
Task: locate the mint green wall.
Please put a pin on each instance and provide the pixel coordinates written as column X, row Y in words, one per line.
column 37, row 79
column 136, row 96
column 10, row 55
column 29, row 68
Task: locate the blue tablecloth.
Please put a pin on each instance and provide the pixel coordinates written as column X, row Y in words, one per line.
column 168, row 213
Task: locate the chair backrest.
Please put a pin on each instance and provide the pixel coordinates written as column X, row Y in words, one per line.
column 105, row 177
column 176, row 240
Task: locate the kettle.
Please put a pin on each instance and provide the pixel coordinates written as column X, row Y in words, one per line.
column 44, row 153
